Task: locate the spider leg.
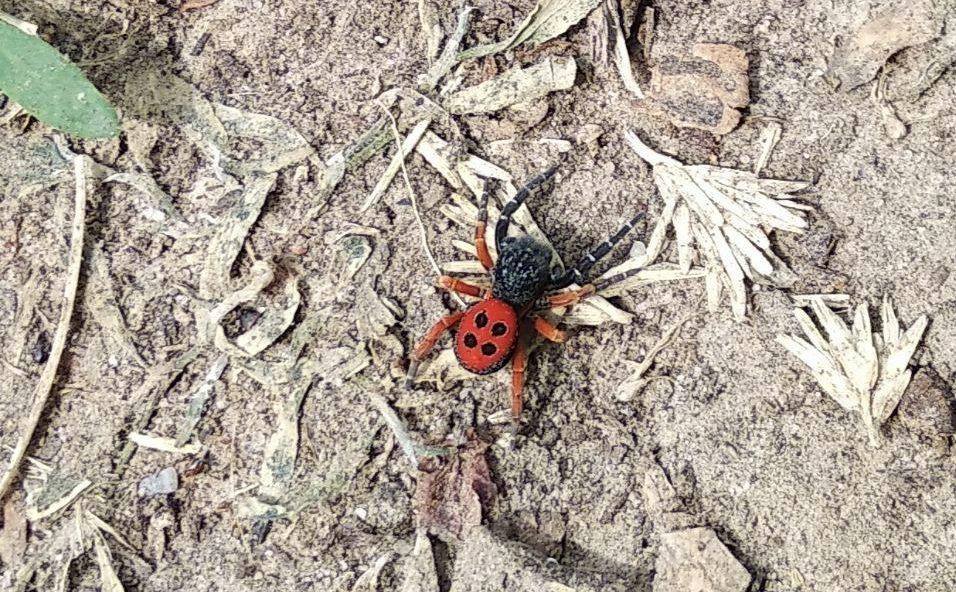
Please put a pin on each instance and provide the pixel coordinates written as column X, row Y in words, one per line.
column 617, row 278
column 518, row 364
column 481, row 245
column 427, row 343
column 549, row 331
column 562, row 299
column 576, row 274
column 456, row 285
column 501, row 229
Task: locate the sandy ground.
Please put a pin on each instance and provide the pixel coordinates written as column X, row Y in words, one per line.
column 752, row 446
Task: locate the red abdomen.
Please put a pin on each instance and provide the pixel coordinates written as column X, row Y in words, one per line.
column 487, row 336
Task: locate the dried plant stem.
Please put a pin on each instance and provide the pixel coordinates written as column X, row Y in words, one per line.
column 155, row 385
column 412, row 449
column 195, row 4
column 414, row 199
column 45, row 384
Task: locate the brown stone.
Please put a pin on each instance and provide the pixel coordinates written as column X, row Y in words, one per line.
column 704, row 89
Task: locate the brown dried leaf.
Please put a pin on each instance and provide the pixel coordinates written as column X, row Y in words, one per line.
column 453, row 491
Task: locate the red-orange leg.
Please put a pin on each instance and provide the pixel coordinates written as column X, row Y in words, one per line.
column 427, row 343
column 549, row 331
column 455, row 285
column 518, row 364
column 481, row 246
column 572, row 297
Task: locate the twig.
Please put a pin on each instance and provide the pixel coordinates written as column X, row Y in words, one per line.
column 156, row 384
column 195, row 4
column 636, row 381
column 200, row 398
column 414, row 200
column 411, row 448
column 411, row 140
column 45, row 384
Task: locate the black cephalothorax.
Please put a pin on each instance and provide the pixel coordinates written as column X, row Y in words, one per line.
column 523, row 271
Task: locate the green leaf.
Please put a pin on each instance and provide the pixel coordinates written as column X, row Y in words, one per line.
column 51, row 88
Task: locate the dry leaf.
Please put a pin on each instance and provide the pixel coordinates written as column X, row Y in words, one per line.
column 57, row 491
column 163, row 444
column 104, row 559
column 226, row 244
column 547, row 20
column 517, row 85
column 695, row 559
column 200, row 398
column 282, row 448
column 449, row 54
column 272, row 324
column 453, row 492
column 863, row 371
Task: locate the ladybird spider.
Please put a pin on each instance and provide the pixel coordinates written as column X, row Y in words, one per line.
column 522, row 285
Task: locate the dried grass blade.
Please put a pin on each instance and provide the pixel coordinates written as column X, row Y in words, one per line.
column 199, row 399
column 514, row 86
column 282, row 448
column 898, row 357
column 163, row 444
column 226, row 244
column 647, row 153
column 547, row 20
column 829, row 376
column 891, row 325
column 449, row 54
column 622, row 59
column 685, row 251
column 108, row 579
column 408, row 145
column 755, row 258
column 81, row 168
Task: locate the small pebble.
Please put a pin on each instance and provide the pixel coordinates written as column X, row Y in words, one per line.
column 40, row 351
column 161, row 483
column 380, row 40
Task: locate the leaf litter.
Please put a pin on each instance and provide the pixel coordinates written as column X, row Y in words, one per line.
column 468, row 174
column 515, row 86
column 702, row 88
column 547, row 20
column 863, row 371
column 45, row 384
column 722, row 216
column 622, row 58
column 453, row 492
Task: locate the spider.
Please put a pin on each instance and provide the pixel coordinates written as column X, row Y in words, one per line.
column 491, row 332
